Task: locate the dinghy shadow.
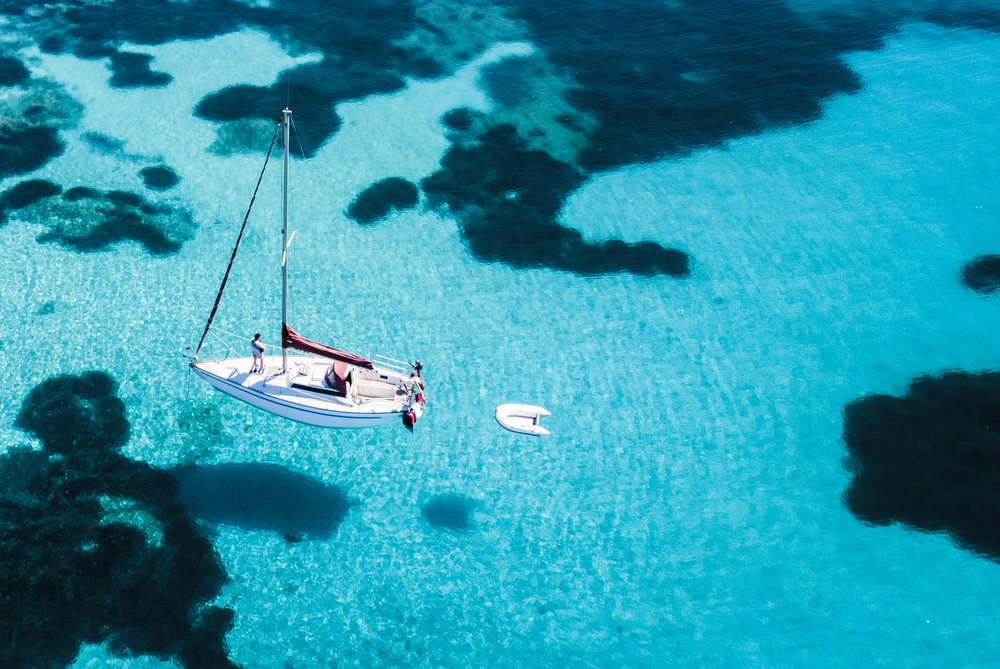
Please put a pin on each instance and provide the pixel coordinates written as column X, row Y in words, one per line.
column 451, row 511
column 259, row 496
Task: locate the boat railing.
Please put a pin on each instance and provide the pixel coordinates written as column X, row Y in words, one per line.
column 399, row 366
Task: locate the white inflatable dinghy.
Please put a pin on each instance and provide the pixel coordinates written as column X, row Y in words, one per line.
column 522, row 418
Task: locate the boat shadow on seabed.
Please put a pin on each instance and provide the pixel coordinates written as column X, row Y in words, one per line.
column 263, row 497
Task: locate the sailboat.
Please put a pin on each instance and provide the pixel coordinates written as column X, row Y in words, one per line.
column 319, row 385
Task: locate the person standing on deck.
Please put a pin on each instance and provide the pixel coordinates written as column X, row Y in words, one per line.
column 418, row 382
column 257, row 348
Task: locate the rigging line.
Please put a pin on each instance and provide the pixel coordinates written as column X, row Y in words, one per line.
column 224, row 343
column 314, row 320
column 321, row 324
column 240, row 337
column 232, row 258
column 296, row 131
column 233, row 334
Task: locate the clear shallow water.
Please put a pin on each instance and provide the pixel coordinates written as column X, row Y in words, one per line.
column 687, row 510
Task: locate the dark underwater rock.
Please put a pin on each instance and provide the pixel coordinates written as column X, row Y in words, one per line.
column 760, row 68
column 265, row 497
column 763, row 68
column 381, row 198
column 644, row 81
column 930, row 460
column 362, row 60
column 81, row 192
column 316, row 91
column 450, row 512
column 460, row 119
column 131, row 70
column 124, row 198
column 24, row 150
column 360, row 41
column 314, row 114
column 982, row 274
column 88, row 220
column 12, row 71
column 31, row 116
column 159, row 177
column 508, row 197
column 94, row 547
column 28, row 192
column 73, row 414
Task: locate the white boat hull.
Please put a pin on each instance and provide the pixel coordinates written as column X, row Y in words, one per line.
column 522, row 418
column 304, row 399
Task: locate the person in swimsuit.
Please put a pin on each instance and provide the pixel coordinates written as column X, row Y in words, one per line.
column 257, row 347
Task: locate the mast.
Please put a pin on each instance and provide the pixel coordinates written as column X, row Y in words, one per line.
column 286, row 117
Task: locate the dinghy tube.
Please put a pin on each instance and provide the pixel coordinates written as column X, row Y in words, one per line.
column 522, row 419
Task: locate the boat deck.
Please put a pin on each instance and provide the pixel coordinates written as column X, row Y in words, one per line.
column 377, row 396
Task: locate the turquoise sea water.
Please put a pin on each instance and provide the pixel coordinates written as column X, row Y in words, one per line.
column 687, row 509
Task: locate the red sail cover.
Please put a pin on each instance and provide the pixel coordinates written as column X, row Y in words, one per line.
column 292, row 339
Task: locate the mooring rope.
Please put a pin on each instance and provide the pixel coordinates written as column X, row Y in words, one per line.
column 232, row 258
